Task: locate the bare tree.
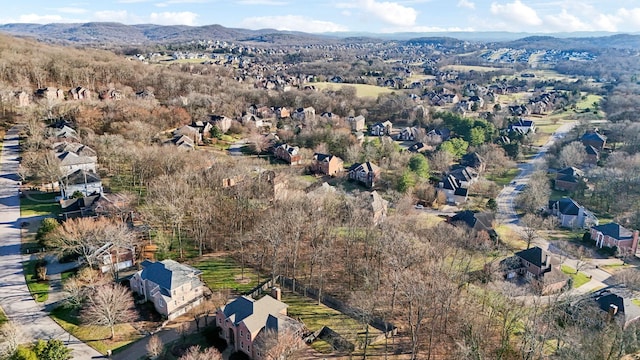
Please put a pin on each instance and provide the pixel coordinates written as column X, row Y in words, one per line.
column 76, row 236
column 109, row 305
column 573, row 154
column 279, row 345
column 194, row 353
column 530, row 225
column 10, row 337
column 154, row 347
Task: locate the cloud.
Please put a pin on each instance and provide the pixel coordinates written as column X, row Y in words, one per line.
column 390, row 12
column 178, row 2
column 37, row 19
column 121, row 16
column 565, row 22
column 466, row 4
column 262, row 2
column 291, row 23
column 516, row 13
column 173, row 18
column 425, row 29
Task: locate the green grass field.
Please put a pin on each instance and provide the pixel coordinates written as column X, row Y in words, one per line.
column 38, row 204
column 588, row 101
column 362, row 90
column 95, row 336
column 223, row 273
column 316, row 316
column 579, row 279
column 38, row 289
column 505, row 178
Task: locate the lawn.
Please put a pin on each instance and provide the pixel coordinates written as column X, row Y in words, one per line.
column 579, row 279
column 587, row 101
column 38, row 289
column 42, row 204
column 362, row 90
column 220, row 273
column 510, row 238
column 316, row 316
column 504, row 178
column 95, row 336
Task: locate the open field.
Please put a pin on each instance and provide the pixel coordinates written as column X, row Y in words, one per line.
column 588, row 101
column 362, row 90
column 316, row 316
column 504, row 178
column 579, row 279
column 95, row 336
column 224, row 273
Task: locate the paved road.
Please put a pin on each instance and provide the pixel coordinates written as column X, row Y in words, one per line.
column 507, row 215
column 14, row 294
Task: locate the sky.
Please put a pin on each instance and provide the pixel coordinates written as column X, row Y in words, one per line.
column 319, row 16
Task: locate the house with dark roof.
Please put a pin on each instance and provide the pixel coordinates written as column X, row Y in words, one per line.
column 568, row 179
column 474, row 161
column 287, row 153
column 173, row 288
column 453, row 190
column 572, row 215
column 614, row 234
column 326, row 164
column 408, row 134
column 482, row 221
column 593, row 155
column 595, row 139
column 419, row 148
column 366, row 173
column 80, row 181
column 381, row 128
column 244, row 321
column 540, row 269
column 616, row 303
column 523, row 126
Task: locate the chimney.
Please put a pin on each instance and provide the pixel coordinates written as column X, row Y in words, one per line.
column 634, row 242
column 276, row 293
column 613, row 310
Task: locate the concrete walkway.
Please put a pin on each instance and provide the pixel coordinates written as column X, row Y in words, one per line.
column 15, row 298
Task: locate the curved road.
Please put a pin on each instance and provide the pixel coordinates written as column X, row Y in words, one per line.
column 15, row 299
column 506, row 213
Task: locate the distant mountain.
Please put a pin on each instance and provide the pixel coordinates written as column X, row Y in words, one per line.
column 145, row 34
column 120, row 34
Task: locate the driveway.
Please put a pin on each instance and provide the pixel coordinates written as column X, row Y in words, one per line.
column 14, row 294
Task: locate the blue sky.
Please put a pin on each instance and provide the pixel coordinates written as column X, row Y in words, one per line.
column 381, row 16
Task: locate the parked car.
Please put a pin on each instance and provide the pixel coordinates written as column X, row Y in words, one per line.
column 419, row 207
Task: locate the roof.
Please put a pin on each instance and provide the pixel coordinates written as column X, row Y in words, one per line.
column 169, row 274
column 78, row 204
column 566, row 206
column 82, row 177
column 591, row 150
column 476, row 221
column 366, row 167
column 615, row 231
column 377, row 202
column 324, row 157
column 68, row 158
column 571, row 171
column 534, row 255
column 254, row 313
column 621, row 297
column 473, row 160
column 593, row 136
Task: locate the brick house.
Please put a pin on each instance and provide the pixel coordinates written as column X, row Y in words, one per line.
column 244, row 320
column 594, row 139
column 173, row 288
column 366, row 173
column 539, row 268
column 326, row 164
column 614, row 234
column 568, row 179
column 287, row 153
column 356, row 123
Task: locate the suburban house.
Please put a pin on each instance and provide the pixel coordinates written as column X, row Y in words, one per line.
column 408, row 134
column 79, row 93
column 436, row 136
column 523, row 126
column 50, row 93
column 78, row 207
column 595, row 139
column 76, row 148
column 616, row 302
column 381, row 128
column 282, row 112
column 71, row 162
column 538, row 267
column 287, row 153
column 593, row 155
column 326, row 164
column 183, row 142
column 453, row 190
column 173, row 288
column 366, row 173
column 614, row 234
column 465, row 175
column 378, row 208
column 81, row 181
column 474, row 161
column 572, row 215
column 203, row 127
column 304, row 115
column 221, row 122
column 244, row 320
column 110, row 257
column 63, row 133
column 356, row 123
column 568, row 179
column 482, row 221
column 190, row 132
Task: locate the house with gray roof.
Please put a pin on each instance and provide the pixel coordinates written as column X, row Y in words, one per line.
column 173, row 288
column 244, row 321
column 71, row 162
column 81, row 181
column 572, row 215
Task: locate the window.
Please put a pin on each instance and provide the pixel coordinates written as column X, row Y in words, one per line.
column 219, row 321
column 241, row 345
column 248, row 336
column 240, row 333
